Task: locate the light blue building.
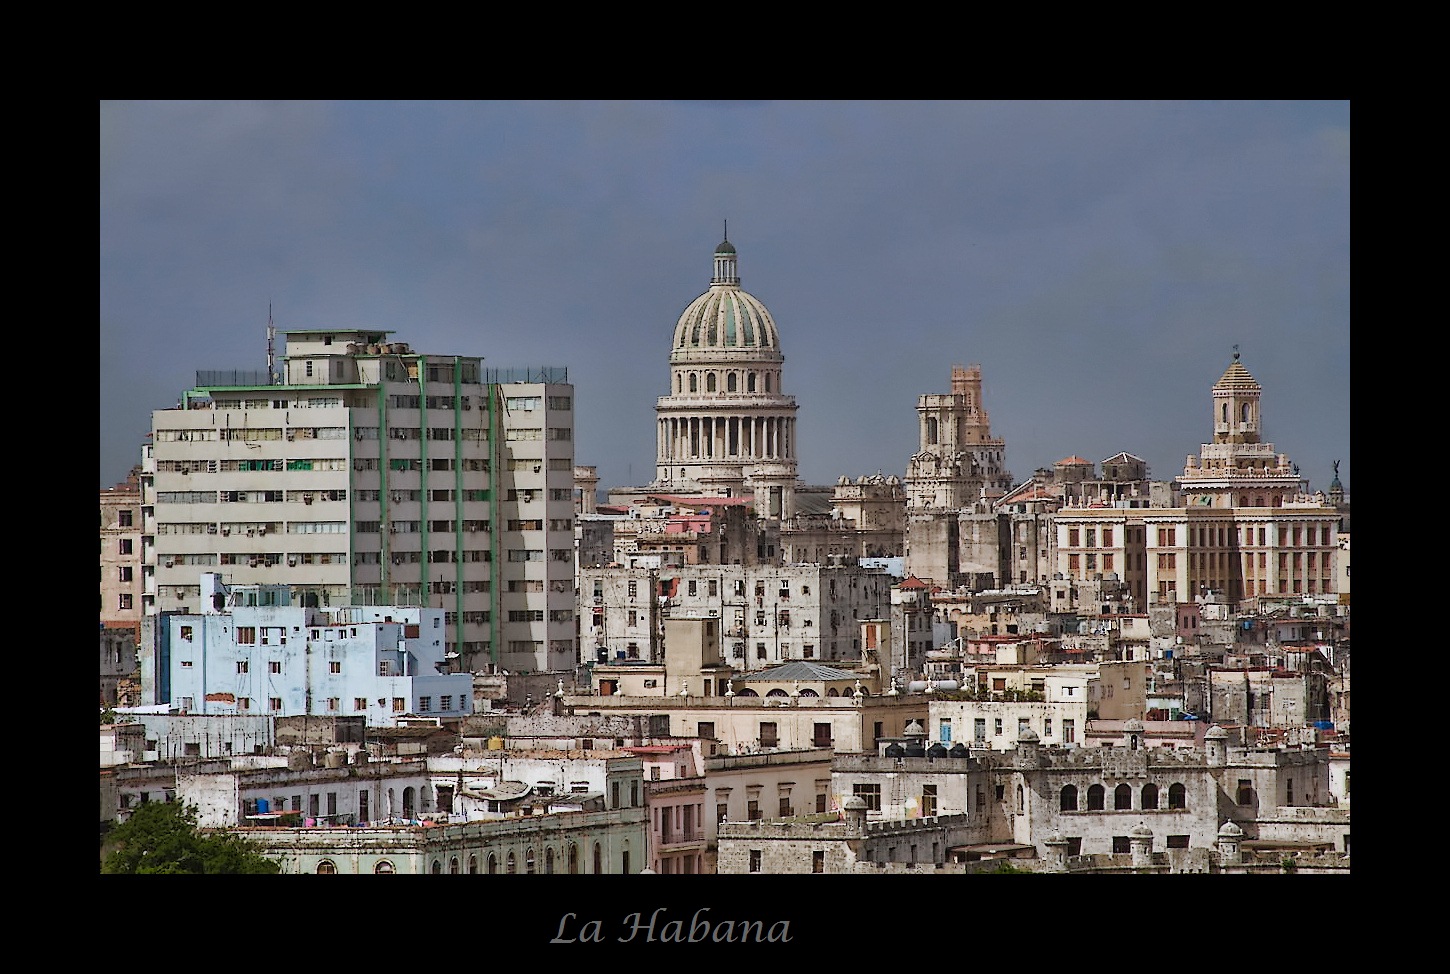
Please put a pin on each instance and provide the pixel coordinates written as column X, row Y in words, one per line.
column 251, row 652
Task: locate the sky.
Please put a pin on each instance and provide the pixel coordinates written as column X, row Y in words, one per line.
column 1099, row 260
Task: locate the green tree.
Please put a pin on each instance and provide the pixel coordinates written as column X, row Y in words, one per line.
column 162, row 837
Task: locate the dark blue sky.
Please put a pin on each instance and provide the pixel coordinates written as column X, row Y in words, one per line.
column 1099, row 260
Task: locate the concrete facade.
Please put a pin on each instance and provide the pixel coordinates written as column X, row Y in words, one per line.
column 251, row 652
column 363, row 473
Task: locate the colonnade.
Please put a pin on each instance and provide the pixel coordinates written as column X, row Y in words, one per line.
column 696, row 438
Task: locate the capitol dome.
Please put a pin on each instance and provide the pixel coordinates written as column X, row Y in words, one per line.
column 726, row 317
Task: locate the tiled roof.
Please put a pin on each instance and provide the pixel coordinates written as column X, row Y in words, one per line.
column 798, row 670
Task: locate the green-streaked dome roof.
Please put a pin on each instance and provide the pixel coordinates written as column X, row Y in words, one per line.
column 726, row 316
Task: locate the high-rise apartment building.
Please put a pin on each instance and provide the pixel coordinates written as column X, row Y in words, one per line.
column 360, row 472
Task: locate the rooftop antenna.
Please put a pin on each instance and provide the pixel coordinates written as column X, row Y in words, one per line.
column 271, row 355
column 1236, row 353
column 727, row 229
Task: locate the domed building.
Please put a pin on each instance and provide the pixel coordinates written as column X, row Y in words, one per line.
column 727, row 428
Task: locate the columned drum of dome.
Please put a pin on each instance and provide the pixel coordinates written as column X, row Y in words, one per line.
column 726, row 427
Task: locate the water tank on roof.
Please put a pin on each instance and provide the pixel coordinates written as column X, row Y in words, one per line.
column 895, row 750
column 336, row 759
column 959, row 750
column 937, row 750
column 915, row 750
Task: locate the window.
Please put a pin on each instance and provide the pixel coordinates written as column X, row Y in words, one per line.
column 326, row 867
column 1121, row 845
column 246, row 634
column 1069, row 731
column 755, row 860
column 944, row 730
column 996, row 726
column 752, row 810
column 1096, row 796
column 870, row 793
column 425, row 704
column 1066, row 799
column 1178, row 842
column 706, row 730
column 822, row 734
column 334, row 704
column 242, row 666
column 767, row 734
column 1122, row 797
column 818, row 861
column 785, row 810
column 1150, row 796
column 274, row 666
column 124, row 548
column 979, row 729
column 928, row 800
column 1177, row 796
column 244, row 703
column 359, row 703
column 1245, row 792
column 274, row 704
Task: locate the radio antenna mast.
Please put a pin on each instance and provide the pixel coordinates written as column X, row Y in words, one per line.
column 271, row 354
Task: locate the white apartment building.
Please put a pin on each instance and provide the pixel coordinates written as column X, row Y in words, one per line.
column 769, row 613
column 360, row 472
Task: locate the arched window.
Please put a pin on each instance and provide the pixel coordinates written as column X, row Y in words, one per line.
column 730, row 382
column 1244, row 413
column 931, row 430
column 1224, row 412
column 392, row 803
column 437, row 867
column 598, row 858
column 1067, row 799
column 776, row 692
column 472, row 865
column 1020, row 799
column 1177, row 795
column 453, row 866
column 383, row 866
column 1150, row 796
column 492, row 864
column 326, row 867
column 832, row 692
column 1122, row 797
column 767, row 382
column 549, row 862
column 750, row 382
column 1096, row 795
column 409, row 800
column 710, row 382
column 512, row 866
column 529, row 861
column 573, row 859
column 694, row 382
column 679, row 383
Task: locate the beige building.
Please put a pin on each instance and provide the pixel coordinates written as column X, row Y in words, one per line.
column 959, row 466
column 360, row 472
column 122, row 552
column 1247, row 526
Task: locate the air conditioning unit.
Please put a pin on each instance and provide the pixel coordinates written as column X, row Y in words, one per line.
column 261, row 530
column 226, row 530
column 291, row 562
column 307, row 498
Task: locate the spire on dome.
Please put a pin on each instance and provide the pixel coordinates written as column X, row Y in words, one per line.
column 726, row 271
